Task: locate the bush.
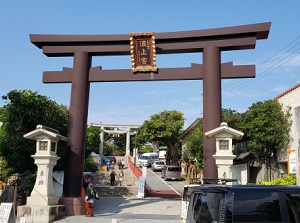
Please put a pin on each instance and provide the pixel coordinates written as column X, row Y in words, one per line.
column 288, row 180
column 91, row 165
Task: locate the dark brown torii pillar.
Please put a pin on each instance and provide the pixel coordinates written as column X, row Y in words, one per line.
column 77, row 123
column 211, row 42
column 212, row 105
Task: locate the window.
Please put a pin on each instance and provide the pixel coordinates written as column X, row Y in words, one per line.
column 185, row 195
column 53, row 145
column 293, row 203
column 43, row 145
column 224, row 144
column 206, row 208
column 174, row 169
column 144, row 157
column 160, row 163
column 256, row 206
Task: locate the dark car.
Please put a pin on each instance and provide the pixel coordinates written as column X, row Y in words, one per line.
column 111, row 159
column 104, row 160
column 244, row 203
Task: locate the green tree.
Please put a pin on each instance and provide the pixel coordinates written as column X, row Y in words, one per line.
column 194, row 146
column 145, row 149
column 109, row 148
column 231, row 117
column 92, row 140
column 120, row 143
column 164, row 129
column 266, row 127
column 114, row 144
column 233, row 120
column 23, row 111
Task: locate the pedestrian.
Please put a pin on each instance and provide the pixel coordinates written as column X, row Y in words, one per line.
column 120, row 164
column 108, row 165
column 112, row 178
column 123, row 164
column 91, row 195
column 121, row 178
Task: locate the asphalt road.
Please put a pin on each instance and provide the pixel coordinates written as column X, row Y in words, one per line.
column 165, row 189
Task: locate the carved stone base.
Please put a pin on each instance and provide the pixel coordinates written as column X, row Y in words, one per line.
column 73, row 205
column 41, row 214
column 41, row 201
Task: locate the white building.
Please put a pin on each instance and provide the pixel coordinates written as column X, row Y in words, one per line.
column 291, row 98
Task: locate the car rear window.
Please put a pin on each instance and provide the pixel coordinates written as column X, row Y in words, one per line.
column 258, row 206
column 160, row 163
column 173, row 168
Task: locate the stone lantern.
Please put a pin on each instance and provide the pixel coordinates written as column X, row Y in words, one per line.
column 43, row 198
column 224, row 156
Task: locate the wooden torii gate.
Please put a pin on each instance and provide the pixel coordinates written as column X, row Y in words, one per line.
column 211, row 42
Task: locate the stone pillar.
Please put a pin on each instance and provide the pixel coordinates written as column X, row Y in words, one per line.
column 101, row 142
column 128, row 142
column 43, row 191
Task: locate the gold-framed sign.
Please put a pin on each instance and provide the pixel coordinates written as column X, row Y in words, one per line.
column 143, row 52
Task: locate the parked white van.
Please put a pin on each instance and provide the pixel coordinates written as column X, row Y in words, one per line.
column 147, row 159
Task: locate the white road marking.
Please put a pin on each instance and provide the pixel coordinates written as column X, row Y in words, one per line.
column 166, row 183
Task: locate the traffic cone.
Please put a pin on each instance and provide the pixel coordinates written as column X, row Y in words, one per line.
column 102, row 168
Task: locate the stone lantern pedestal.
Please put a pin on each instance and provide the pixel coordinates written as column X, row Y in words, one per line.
column 224, row 156
column 42, row 205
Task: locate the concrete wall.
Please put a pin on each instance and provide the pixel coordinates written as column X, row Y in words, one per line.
column 240, row 172
column 291, row 98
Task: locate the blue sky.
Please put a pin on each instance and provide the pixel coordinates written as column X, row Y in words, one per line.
column 277, row 58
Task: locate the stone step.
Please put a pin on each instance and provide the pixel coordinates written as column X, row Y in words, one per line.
column 116, row 191
column 129, row 186
column 104, row 180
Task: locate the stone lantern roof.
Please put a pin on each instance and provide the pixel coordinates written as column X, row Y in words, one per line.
column 224, row 129
column 44, row 130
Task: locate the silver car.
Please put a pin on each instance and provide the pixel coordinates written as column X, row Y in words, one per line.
column 157, row 165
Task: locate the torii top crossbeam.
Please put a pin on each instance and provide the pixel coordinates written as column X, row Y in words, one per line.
column 228, row 38
column 106, row 125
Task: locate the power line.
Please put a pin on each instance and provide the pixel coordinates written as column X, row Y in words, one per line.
column 272, row 63
column 282, row 62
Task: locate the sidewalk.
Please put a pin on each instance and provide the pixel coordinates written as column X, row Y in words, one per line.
column 131, row 210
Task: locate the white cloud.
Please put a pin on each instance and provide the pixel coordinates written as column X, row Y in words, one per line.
column 293, row 61
column 159, row 93
column 279, row 89
column 195, row 99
